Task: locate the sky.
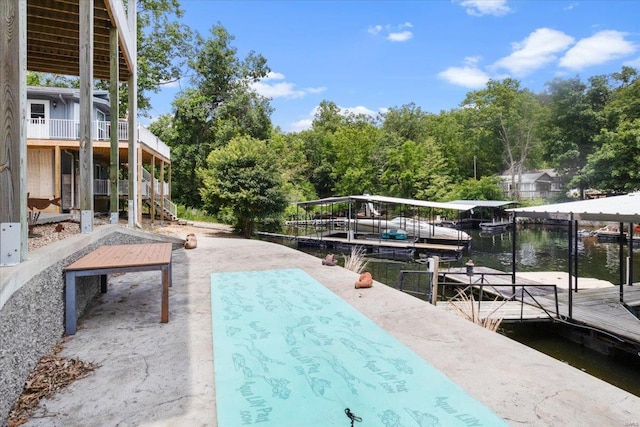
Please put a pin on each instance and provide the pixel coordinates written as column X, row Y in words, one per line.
column 369, row 56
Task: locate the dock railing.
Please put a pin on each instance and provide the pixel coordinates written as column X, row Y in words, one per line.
column 409, row 281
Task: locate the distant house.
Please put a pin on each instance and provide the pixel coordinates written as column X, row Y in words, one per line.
column 53, row 149
column 534, row 185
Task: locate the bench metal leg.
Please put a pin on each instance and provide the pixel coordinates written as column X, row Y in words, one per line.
column 166, row 280
column 103, row 283
column 70, row 304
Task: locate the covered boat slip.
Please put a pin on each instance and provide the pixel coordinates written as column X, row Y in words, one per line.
column 335, row 220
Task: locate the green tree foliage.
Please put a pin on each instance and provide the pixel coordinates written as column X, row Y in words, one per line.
column 571, row 125
column 416, row 170
column 485, row 188
column 164, row 46
column 353, row 171
column 513, row 116
column 616, row 165
column 219, row 107
column 243, row 180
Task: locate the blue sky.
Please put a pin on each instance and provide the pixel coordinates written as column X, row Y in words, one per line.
column 368, row 56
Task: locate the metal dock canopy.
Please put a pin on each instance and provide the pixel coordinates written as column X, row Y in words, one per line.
column 386, row 199
column 616, row 209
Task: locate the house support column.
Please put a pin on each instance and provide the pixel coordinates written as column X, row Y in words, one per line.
column 139, row 169
column 57, row 175
column 13, row 137
column 114, row 159
column 133, row 208
column 169, row 181
column 162, row 192
column 152, row 196
column 86, row 107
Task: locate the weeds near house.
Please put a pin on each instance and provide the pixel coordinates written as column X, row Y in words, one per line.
column 467, row 307
column 356, row 261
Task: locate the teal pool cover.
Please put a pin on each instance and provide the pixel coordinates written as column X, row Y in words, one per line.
column 289, row 352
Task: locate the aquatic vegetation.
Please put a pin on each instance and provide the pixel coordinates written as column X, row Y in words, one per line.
column 356, row 261
column 466, row 306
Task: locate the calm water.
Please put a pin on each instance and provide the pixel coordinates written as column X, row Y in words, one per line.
column 541, row 249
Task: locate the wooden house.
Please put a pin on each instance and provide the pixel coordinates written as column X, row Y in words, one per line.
column 91, row 39
column 536, row 185
column 53, row 153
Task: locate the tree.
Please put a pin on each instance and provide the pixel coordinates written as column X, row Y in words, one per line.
column 616, row 165
column 485, row 188
column 571, row 126
column 416, row 170
column 219, row 107
column 243, row 179
column 353, row 171
column 513, row 115
column 164, row 46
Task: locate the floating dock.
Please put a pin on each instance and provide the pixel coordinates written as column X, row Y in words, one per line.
column 597, row 308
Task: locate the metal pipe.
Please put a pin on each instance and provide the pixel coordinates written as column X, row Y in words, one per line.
column 575, row 255
column 569, row 261
column 620, row 262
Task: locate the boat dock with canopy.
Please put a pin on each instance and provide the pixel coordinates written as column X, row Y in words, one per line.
column 335, row 222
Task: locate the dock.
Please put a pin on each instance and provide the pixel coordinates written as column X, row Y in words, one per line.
column 379, row 245
column 597, row 308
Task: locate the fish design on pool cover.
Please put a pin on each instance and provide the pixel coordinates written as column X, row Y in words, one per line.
column 288, row 352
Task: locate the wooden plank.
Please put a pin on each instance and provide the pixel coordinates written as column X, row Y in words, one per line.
column 114, row 256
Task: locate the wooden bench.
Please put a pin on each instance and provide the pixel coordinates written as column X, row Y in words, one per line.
column 110, row 259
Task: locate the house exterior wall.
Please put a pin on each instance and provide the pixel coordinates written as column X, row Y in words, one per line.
column 40, row 174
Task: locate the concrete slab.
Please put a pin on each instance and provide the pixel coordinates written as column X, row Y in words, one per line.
column 155, row 374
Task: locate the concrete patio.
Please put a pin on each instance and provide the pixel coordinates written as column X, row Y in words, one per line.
column 154, row 374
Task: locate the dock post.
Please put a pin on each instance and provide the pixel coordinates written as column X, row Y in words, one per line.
column 434, row 279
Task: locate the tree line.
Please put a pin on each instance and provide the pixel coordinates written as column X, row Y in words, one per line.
column 229, row 159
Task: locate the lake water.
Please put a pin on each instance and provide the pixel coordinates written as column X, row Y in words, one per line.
column 541, row 248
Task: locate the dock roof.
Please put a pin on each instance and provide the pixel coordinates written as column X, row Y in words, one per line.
column 393, row 200
column 624, row 208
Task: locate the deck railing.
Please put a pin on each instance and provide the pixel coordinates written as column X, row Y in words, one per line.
column 65, row 129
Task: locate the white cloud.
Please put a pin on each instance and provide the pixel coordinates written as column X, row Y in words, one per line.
column 394, row 33
column 301, row 125
column 536, row 51
column 485, row 7
column 602, row 47
column 272, row 87
column 468, row 76
column 357, row 110
column 400, row 37
column 374, row 29
column 306, row 122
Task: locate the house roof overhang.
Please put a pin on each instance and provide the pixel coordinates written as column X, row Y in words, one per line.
column 53, row 37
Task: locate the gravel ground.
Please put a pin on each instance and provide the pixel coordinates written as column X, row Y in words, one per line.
column 48, row 233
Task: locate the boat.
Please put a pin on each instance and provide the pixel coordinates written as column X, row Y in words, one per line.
column 421, row 229
column 495, row 226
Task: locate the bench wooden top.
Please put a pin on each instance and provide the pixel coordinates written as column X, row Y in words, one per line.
column 114, row 256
